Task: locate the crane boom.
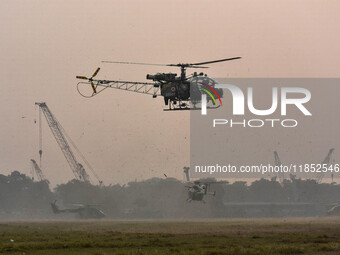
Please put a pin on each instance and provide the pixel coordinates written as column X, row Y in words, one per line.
column 186, row 171
column 278, row 163
column 326, row 162
column 37, row 170
column 57, row 131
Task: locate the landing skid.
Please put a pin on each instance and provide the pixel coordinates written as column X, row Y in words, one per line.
column 178, row 105
column 177, row 109
column 188, row 108
column 189, row 200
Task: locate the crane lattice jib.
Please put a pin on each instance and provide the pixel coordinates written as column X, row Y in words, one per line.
column 278, row 163
column 78, row 170
column 38, row 170
column 326, row 163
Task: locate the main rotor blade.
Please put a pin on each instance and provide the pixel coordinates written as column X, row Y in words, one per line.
column 191, row 66
column 215, row 61
column 133, row 63
column 80, row 205
column 187, row 66
column 213, row 182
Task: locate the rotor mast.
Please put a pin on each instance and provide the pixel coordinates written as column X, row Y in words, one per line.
column 183, row 73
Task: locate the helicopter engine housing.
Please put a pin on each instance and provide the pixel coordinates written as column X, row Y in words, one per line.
column 167, row 77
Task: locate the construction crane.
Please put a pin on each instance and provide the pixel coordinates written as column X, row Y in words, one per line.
column 186, row 172
column 278, row 163
column 38, row 171
column 60, row 136
column 326, row 162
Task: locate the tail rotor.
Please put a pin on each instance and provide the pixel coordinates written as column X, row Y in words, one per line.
column 94, row 88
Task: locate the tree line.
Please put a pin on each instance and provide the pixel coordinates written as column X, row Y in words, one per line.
column 21, row 197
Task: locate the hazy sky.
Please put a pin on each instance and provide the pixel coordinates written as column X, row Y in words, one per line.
column 45, row 44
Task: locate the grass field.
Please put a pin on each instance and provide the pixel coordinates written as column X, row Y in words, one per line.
column 257, row 236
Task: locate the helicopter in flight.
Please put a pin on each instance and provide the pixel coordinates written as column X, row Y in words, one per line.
column 174, row 89
column 198, row 189
column 83, row 211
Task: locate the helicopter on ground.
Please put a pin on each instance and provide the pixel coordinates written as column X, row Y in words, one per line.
column 334, row 211
column 199, row 189
column 83, row 211
column 175, row 90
